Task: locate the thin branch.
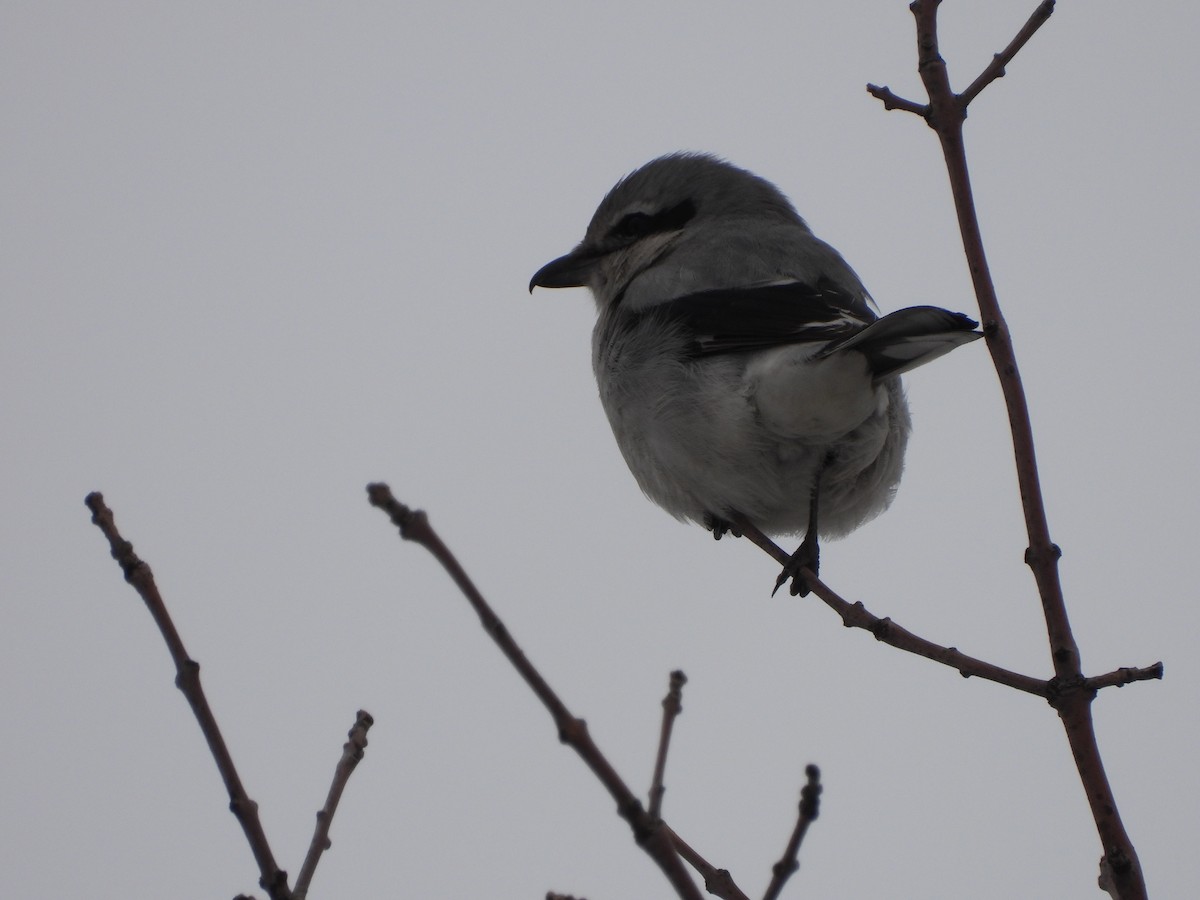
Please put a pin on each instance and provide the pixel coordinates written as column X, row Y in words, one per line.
column 1070, row 694
column 995, row 69
column 717, row 882
column 855, row 615
column 1043, row 554
column 1124, row 676
column 272, row 879
column 810, row 808
column 651, row 834
column 893, row 101
column 672, row 706
column 352, row 752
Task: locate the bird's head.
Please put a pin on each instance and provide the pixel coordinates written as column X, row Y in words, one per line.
column 653, row 212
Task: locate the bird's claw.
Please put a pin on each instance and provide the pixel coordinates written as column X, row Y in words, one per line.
column 807, row 556
column 720, row 527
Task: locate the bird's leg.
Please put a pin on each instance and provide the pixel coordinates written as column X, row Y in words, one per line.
column 720, row 527
column 808, row 554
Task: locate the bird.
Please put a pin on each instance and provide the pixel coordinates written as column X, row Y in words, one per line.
column 749, row 383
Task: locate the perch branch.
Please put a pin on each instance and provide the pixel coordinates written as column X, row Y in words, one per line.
column 855, row 615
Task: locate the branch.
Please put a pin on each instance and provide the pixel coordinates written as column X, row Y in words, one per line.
column 1071, row 694
column 650, row 834
column 1043, row 554
column 717, row 882
column 810, row 807
column 352, row 752
column 892, row 101
column 272, row 879
column 672, row 706
column 995, row 69
column 1124, row 676
column 855, row 615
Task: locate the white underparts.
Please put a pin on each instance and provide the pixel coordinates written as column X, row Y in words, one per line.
column 812, row 400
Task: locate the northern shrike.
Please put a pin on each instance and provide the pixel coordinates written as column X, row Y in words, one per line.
column 747, row 381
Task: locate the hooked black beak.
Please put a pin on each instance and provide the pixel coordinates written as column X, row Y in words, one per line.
column 571, row 270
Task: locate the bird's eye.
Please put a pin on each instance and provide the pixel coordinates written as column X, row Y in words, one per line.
column 634, row 225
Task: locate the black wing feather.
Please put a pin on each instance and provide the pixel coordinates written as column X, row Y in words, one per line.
column 737, row 320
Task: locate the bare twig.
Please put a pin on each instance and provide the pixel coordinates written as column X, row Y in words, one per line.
column 352, row 752
column 810, row 807
column 651, row 834
column 855, row 615
column 891, row 100
column 717, row 882
column 1070, row 693
column 272, row 879
column 672, row 706
column 995, row 68
column 1124, row 676
column 1043, row 554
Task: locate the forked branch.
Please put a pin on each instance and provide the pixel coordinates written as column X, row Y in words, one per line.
column 856, row 615
column 649, row 833
column 271, row 878
column 1069, row 691
column 652, row 834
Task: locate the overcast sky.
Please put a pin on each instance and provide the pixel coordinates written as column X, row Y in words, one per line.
column 256, row 255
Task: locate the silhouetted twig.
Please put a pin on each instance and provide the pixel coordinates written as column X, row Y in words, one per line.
column 272, row 879
column 1069, row 692
column 717, row 882
column 1124, row 676
column 810, row 807
column 649, row 832
column 995, row 68
column 672, row 706
column 856, row 615
column 352, row 752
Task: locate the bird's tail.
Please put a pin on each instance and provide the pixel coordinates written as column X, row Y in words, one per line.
column 907, row 338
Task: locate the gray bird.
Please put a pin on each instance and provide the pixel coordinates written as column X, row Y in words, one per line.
column 747, row 381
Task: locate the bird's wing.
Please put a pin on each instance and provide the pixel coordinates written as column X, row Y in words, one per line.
column 906, row 339
column 736, row 320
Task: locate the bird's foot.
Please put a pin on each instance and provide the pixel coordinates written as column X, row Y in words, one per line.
column 720, row 527
column 807, row 556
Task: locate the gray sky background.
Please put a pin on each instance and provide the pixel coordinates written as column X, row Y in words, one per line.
column 255, row 255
